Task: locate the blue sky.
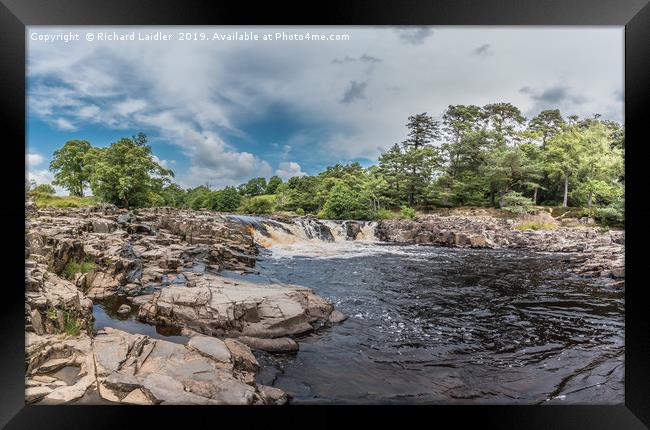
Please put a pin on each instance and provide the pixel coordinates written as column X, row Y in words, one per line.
column 220, row 112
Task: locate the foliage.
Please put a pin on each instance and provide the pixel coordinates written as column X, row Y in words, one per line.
column 71, row 327
column 125, row 173
column 488, row 156
column 43, row 200
column 41, row 189
column 257, row 205
column 407, row 212
column 70, row 168
column 73, row 267
column 516, row 203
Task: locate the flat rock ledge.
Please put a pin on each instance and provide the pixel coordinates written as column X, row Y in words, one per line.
column 134, row 369
column 223, row 307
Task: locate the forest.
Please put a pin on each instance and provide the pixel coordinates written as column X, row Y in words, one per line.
column 489, row 156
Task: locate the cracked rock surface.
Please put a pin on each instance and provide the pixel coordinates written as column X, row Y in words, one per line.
column 167, row 262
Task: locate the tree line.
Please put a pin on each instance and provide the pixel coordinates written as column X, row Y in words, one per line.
column 472, row 156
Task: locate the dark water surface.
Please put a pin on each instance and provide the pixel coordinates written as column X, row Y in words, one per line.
column 441, row 325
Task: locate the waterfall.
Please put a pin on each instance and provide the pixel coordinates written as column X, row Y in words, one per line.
column 304, row 232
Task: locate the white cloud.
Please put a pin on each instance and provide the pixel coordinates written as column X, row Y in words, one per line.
column 64, row 124
column 34, row 159
column 289, row 169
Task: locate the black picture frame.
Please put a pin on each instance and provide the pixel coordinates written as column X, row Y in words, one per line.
column 15, row 15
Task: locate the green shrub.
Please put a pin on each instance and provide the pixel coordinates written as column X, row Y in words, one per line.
column 73, row 267
column 300, row 211
column 43, row 200
column 50, row 314
column 71, row 327
column 407, row 212
column 259, row 205
column 515, row 202
column 384, row 214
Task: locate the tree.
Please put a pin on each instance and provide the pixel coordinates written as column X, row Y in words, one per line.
column 419, row 157
column 273, row 184
column 225, row 200
column 254, row 187
column 563, row 151
column 43, row 189
column 547, row 123
column 69, row 166
column 504, row 119
column 125, row 172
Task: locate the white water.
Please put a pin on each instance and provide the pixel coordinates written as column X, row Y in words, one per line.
column 305, row 237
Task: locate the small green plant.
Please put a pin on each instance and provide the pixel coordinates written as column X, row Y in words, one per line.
column 71, row 327
column 384, row 214
column 407, row 212
column 46, row 276
column 535, row 225
column 515, row 202
column 73, row 267
column 300, row 211
column 50, row 314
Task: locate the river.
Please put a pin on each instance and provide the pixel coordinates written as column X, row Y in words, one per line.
column 440, row 325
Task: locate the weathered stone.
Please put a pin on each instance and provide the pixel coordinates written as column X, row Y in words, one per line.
column 337, row 317
column 281, row 344
column 137, row 397
column 210, row 347
column 272, row 395
column 242, row 356
column 33, row 394
column 124, row 309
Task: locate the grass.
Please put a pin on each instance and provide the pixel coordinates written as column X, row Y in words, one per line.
column 43, row 200
column 71, row 327
column 73, row 267
column 534, row 225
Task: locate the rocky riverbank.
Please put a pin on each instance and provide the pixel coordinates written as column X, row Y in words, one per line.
column 167, row 263
column 593, row 251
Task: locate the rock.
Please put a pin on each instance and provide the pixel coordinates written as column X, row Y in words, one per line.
column 211, row 347
column 272, row 395
column 137, row 397
column 37, row 323
column 282, row 344
column 102, row 226
column 242, row 356
column 53, row 365
column 337, row 317
column 124, row 309
column 352, row 230
column 218, row 306
column 126, row 218
column 33, row 394
column 618, row 272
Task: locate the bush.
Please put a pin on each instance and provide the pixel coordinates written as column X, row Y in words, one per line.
column 43, row 200
column 300, row 211
column 384, row 214
column 516, row 203
column 74, row 267
column 71, row 327
column 407, row 212
column 610, row 216
column 259, row 205
column 42, row 189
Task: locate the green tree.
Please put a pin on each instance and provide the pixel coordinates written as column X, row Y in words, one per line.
column 254, row 187
column 419, row 157
column 125, row 173
column 273, row 184
column 547, row 123
column 562, row 157
column 69, row 166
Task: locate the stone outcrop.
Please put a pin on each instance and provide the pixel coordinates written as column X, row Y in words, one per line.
column 167, row 262
column 218, row 306
column 134, row 369
column 598, row 253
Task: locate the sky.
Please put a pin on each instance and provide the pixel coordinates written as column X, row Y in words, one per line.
column 220, row 112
